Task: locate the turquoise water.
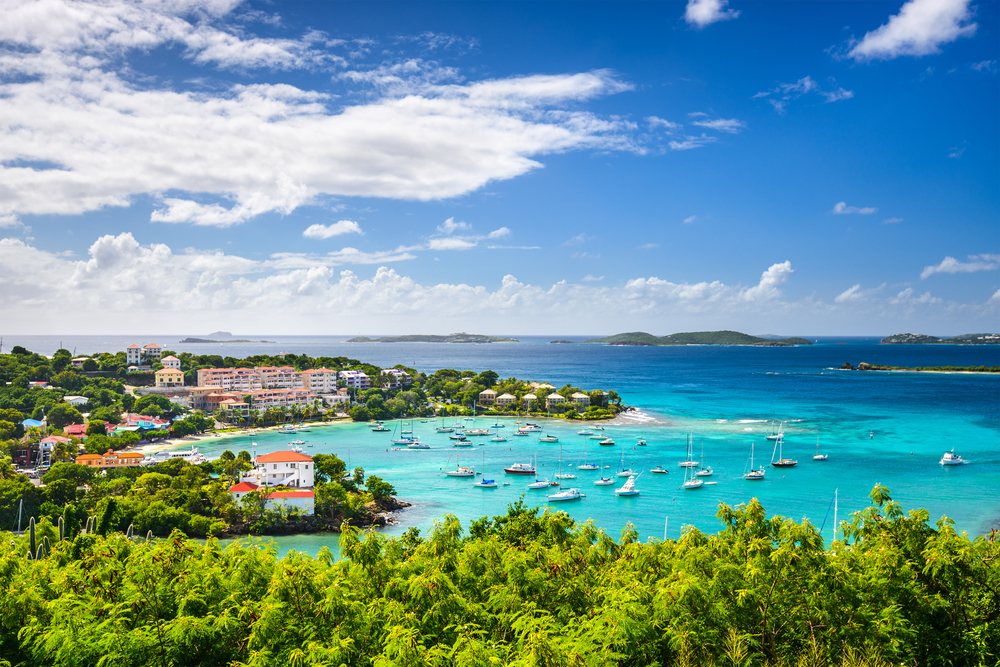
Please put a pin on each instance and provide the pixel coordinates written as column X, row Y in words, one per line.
column 723, row 396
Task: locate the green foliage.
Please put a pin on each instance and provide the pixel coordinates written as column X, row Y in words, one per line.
column 62, row 415
column 96, row 427
column 360, row 413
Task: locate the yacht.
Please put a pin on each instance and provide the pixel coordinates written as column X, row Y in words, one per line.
column 539, row 484
column 461, row 471
column 378, row 428
column 302, row 428
column 754, row 474
column 519, row 432
column 463, row 443
column 588, row 466
column 690, row 462
column 628, row 488
column 568, row 494
column 691, row 481
column 607, row 442
column 287, row 428
column 952, row 459
column 416, row 444
column 520, row 469
column 477, row 431
column 498, row 438
column 457, row 436
column 604, row 481
column 531, row 428
column 782, row 462
column 585, row 432
column 660, row 470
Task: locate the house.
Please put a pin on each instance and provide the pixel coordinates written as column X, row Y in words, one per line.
column 133, row 355
column 598, row 398
column 581, row 400
column 487, row 397
column 139, row 356
column 287, row 467
column 39, row 384
column 505, row 400
column 402, row 378
column 553, row 400
column 528, row 398
column 46, row 445
column 336, row 399
column 75, row 430
column 111, row 459
column 78, row 362
column 152, row 352
column 76, row 401
column 304, row 500
column 169, row 377
column 171, row 362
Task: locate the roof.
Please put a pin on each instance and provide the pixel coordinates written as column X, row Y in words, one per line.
column 55, row 438
column 291, row 494
column 152, row 345
column 171, row 371
column 486, row 391
column 170, row 358
column 282, row 457
column 243, row 487
column 555, row 397
column 580, row 395
column 133, row 345
column 130, row 455
column 530, row 396
column 505, row 395
column 89, row 456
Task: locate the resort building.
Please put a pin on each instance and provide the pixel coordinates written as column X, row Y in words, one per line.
column 581, row 400
column 143, row 356
column 336, row 399
column 111, row 459
column 169, row 377
column 528, row 398
column 282, row 468
column 46, row 445
column 279, row 377
column 260, row 400
column 553, row 400
column 133, row 355
column 320, row 380
column 230, row 379
column 487, row 397
column 356, row 379
column 304, row 500
column 504, row 400
column 171, row 362
column 402, row 378
column 76, row 401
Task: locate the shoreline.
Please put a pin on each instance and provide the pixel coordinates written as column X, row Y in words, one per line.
column 914, row 370
column 153, row 447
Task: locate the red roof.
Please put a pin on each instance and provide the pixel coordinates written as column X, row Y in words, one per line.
column 283, row 457
column 131, row 346
column 291, row 494
column 243, row 487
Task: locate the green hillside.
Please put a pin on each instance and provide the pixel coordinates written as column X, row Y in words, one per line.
column 697, row 338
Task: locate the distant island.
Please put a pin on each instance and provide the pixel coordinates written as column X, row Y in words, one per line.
column 923, row 339
column 641, row 338
column 235, row 340
column 847, row 366
column 422, row 338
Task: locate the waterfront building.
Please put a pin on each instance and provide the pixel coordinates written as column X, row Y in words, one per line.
column 76, row 401
column 286, row 468
column 553, row 400
column 505, row 400
column 581, row 400
column 171, row 362
column 528, row 398
column 487, row 397
column 111, row 459
column 320, row 380
column 169, row 377
column 356, row 379
column 304, row 500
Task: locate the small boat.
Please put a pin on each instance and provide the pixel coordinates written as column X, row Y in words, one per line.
column 588, row 466
column 604, row 481
column 754, row 474
column 498, row 438
column 691, row 481
column 952, row 459
column 548, row 438
column 585, row 432
column 416, row 444
column 782, row 462
column 568, row 494
column 625, row 472
column 477, row 431
column 607, row 442
column 531, row 428
column 597, row 428
column 705, row 471
column 486, row 484
column 539, row 484
column 444, row 429
column 660, row 470
column 597, row 437
column 520, row 433
column 778, row 434
column 461, row 471
column 819, row 457
column 498, row 425
column 690, row 462
column 380, row 428
column 641, row 443
column 302, row 428
column 628, row 488
column 463, row 443
column 520, row 469
column 457, row 436
column 287, row 428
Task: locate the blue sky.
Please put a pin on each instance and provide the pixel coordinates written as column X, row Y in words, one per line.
column 307, row 167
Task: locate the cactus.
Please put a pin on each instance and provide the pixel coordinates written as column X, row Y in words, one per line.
column 31, row 536
column 149, row 535
column 68, row 519
column 62, row 529
column 45, row 546
column 128, row 533
column 39, row 554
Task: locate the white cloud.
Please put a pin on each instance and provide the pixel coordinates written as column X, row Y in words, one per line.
column 691, row 218
column 841, row 208
column 837, row 95
column 648, row 246
column 701, row 13
column 591, row 279
column 579, row 239
column 655, row 122
column 342, row 257
column 985, row 66
column 951, row 265
column 891, row 221
column 909, row 297
column 584, row 255
column 730, row 125
column 767, row 288
column 221, row 157
column 449, row 226
column 784, row 93
column 9, row 220
column 855, row 293
column 692, row 142
column 498, row 233
column 995, row 297
column 451, row 243
column 956, row 152
column 336, row 229
column 919, row 29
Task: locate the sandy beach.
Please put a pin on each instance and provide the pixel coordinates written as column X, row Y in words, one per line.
column 193, row 440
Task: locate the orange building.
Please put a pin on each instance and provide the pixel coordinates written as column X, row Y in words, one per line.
column 111, row 459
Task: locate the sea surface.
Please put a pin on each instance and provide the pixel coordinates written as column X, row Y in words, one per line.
column 876, row 428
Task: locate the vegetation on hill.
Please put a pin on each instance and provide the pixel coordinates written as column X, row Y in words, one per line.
column 423, row 338
column 933, row 369
column 923, row 339
column 697, row 338
column 520, row 589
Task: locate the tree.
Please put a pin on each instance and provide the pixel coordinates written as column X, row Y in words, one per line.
column 486, row 379
column 359, row 413
column 328, row 468
column 379, row 488
column 79, row 475
column 62, row 415
column 8, row 430
column 96, row 427
column 106, row 414
column 61, row 491
column 89, row 365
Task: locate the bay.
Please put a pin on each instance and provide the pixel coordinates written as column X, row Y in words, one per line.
column 876, row 427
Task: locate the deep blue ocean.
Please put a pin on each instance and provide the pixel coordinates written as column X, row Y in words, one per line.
column 888, row 428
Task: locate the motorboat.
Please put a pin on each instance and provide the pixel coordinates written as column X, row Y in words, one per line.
column 604, row 481
column 531, row 428
column 628, row 488
column 588, row 466
column 463, row 443
column 754, row 474
column 287, row 428
column 640, row 442
column 520, row 469
column 498, row 425
column 380, row 428
column 297, row 442
column 295, row 448
column 660, row 470
column 597, row 437
column 607, row 442
column 597, row 428
column 416, row 444
column 524, row 433
column 567, row 494
column 585, row 432
column 302, row 428
column 457, row 436
column 952, row 459
column 486, row 484
column 548, row 438
column 477, row 431
column 705, row 472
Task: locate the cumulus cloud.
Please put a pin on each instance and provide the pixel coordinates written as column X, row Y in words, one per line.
column 919, row 29
column 592, row 279
column 767, row 288
column 319, row 231
column 909, row 297
column 691, row 218
column 451, row 243
column 783, row 94
column 951, row 265
column 449, row 226
column 701, row 13
column 80, row 134
column 9, row 221
column 579, row 239
column 841, row 208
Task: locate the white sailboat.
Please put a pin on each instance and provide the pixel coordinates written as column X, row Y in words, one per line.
column 819, row 457
column 691, row 481
column 561, row 474
column 704, row 472
column 754, row 474
column 603, row 481
column 586, row 466
column 689, row 463
column 623, row 471
column 538, row 483
column 485, row 483
column 460, row 471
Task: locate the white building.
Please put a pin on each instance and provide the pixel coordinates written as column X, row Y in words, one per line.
column 320, row 380
column 553, row 399
column 506, row 399
column 287, row 467
column 304, row 500
column 133, row 354
column 581, row 400
column 402, row 377
column 356, row 379
column 76, row 401
column 171, row 362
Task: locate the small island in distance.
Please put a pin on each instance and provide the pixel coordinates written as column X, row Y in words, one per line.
column 423, row 338
column 923, row 339
column 215, row 336
column 641, row 338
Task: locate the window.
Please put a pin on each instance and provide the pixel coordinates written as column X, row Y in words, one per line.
column 275, row 466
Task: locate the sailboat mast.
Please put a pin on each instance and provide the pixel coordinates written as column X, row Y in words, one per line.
column 835, row 514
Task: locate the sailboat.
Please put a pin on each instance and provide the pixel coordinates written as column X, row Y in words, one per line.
column 562, row 475
column 782, row 462
column 691, row 480
column 442, row 428
column 461, row 471
column 754, row 474
column 485, row 483
column 778, row 434
column 704, row 472
column 689, row 463
column 603, row 481
column 623, row 471
column 538, row 483
column 497, row 437
column 819, row 457
column 586, row 466
column 403, row 439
